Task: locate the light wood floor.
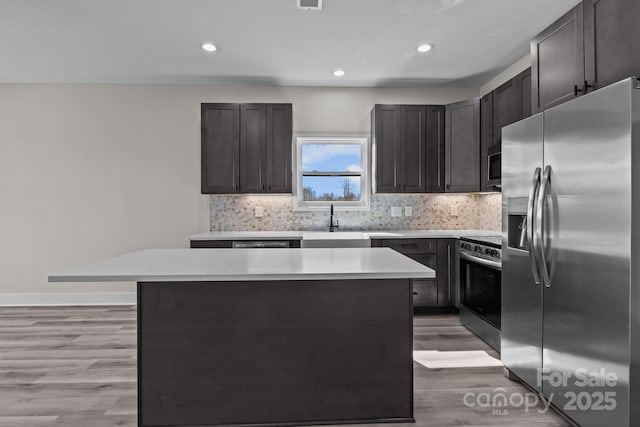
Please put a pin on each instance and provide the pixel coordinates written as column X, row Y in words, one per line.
column 76, row 367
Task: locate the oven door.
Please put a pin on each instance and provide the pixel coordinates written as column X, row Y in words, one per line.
column 480, row 290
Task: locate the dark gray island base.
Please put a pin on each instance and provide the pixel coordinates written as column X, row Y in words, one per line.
column 297, row 352
column 269, row 336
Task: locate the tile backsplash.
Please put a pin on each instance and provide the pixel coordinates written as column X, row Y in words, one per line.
column 429, row 212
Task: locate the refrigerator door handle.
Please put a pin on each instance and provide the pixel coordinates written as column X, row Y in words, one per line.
column 533, row 247
column 542, row 199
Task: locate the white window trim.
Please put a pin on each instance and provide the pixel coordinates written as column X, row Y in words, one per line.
column 365, row 185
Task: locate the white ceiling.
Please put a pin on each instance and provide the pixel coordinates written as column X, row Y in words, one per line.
column 267, row 41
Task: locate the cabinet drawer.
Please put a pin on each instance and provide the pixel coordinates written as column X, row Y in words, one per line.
column 425, row 293
column 411, row 246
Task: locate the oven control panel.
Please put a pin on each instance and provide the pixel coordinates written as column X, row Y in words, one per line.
column 481, row 251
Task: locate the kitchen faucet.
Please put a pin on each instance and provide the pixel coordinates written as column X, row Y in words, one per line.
column 332, row 226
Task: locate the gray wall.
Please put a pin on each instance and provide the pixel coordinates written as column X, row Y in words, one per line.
column 92, row 171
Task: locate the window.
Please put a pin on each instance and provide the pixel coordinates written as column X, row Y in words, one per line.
column 332, row 170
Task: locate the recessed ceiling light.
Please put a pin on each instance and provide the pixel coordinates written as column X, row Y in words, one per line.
column 424, row 48
column 209, row 47
column 339, row 73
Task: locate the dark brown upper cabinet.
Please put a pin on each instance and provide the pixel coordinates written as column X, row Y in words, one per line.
column 462, row 147
column 611, row 40
column 557, row 61
column 246, row 148
column 593, row 45
column 220, row 148
column 413, row 149
column 408, row 141
column 486, row 139
column 435, row 148
column 523, row 90
column 505, row 105
column 385, row 131
column 278, row 148
column 253, row 133
column 506, row 109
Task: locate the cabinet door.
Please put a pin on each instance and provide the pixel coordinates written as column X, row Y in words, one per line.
column 412, row 147
column 278, row 148
column 446, row 272
column 385, row 120
column 462, row 150
column 425, row 293
column 435, row 149
column 252, row 148
column 220, row 148
column 611, row 34
column 557, row 58
column 506, row 109
column 523, row 93
column 486, row 139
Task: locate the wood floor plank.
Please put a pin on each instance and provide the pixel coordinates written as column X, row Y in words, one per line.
column 76, row 367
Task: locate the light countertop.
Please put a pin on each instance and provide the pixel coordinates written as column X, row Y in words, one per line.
column 168, row 265
column 376, row 234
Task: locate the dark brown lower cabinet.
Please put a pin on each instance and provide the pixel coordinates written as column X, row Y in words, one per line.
column 438, row 254
column 274, row 353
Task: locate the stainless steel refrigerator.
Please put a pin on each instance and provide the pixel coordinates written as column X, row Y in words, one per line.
column 570, row 268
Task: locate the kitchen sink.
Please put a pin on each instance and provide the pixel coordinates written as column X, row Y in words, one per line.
column 337, row 239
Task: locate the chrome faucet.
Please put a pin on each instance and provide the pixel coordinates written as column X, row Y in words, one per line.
column 332, row 226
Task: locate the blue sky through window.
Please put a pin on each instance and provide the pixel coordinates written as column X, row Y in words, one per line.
column 331, row 158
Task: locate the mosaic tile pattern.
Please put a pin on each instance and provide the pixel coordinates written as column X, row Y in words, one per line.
column 430, row 212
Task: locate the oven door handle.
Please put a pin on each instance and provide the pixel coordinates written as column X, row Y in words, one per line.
column 486, row 262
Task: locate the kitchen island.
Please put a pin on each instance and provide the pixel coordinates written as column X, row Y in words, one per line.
column 269, row 337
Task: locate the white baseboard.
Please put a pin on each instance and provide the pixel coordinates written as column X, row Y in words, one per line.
column 112, row 298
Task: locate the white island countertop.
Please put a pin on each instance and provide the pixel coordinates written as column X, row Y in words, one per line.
column 178, row 265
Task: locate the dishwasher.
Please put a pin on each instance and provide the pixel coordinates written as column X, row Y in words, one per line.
column 242, row 244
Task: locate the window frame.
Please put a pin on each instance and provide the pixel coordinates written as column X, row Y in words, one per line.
column 364, row 204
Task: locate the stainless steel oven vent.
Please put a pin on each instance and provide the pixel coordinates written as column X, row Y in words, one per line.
column 310, row 4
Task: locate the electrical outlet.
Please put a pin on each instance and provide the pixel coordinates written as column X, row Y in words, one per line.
column 408, row 211
column 259, row 211
column 396, row 211
column 453, row 210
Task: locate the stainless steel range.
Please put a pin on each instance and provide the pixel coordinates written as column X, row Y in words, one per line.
column 480, row 286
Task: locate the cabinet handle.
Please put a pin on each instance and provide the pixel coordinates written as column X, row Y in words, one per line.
column 449, row 272
column 585, row 88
